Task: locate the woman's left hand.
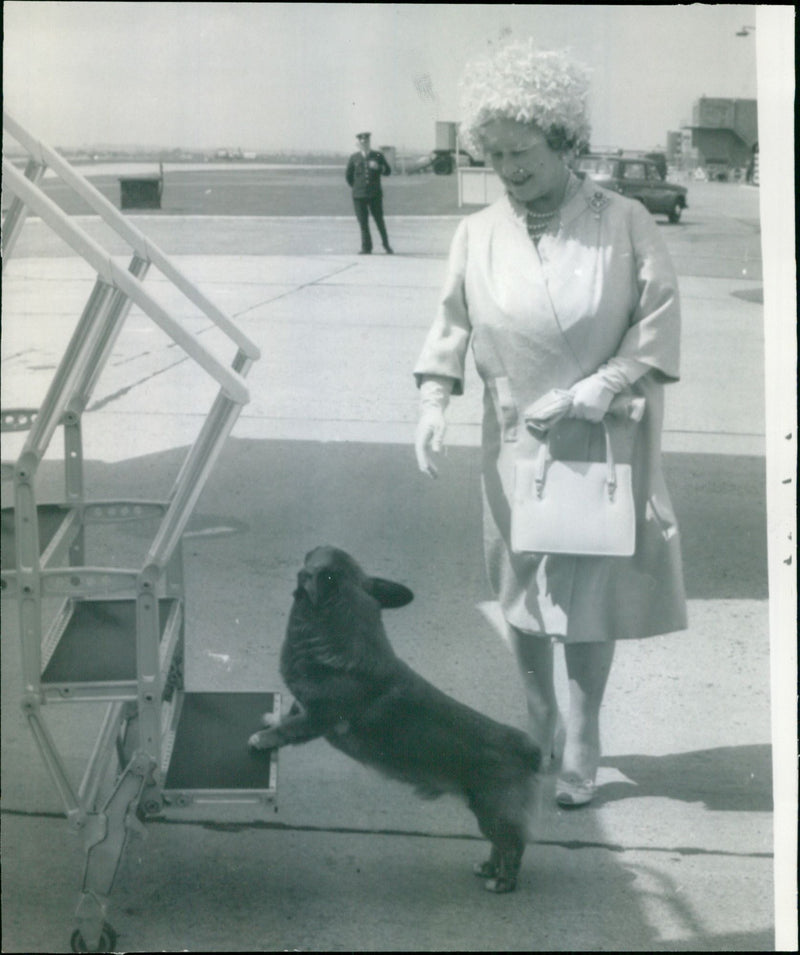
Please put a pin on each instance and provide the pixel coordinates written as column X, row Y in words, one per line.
column 591, row 398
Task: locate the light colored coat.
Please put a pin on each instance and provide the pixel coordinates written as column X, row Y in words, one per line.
column 544, row 317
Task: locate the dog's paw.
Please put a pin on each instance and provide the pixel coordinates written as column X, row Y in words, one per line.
column 500, row 885
column 485, row 870
column 263, row 739
column 270, row 718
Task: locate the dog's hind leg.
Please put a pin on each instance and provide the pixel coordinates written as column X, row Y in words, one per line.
column 502, row 867
column 508, row 865
column 489, row 868
column 508, row 845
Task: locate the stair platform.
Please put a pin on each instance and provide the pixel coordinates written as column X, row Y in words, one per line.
column 94, row 655
column 210, row 761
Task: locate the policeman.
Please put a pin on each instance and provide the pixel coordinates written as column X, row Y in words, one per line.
column 363, row 175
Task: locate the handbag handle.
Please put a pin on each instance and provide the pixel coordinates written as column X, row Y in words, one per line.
column 545, row 457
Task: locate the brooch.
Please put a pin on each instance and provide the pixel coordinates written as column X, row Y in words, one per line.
column 598, row 202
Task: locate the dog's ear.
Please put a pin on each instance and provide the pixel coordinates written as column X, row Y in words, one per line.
column 388, row 594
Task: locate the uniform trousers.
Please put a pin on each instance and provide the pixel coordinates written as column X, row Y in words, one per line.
column 363, row 207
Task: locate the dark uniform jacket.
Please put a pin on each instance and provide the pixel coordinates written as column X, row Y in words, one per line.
column 364, row 173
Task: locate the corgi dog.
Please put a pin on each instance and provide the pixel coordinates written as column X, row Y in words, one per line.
column 350, row 688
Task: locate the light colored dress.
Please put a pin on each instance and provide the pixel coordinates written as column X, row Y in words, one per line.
column 543, row 316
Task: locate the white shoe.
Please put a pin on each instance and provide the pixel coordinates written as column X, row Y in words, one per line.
column 572, row 791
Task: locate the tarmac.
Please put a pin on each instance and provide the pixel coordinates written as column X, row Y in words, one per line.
column 675, row 854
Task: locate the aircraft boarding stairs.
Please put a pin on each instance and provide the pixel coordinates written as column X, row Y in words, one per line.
column 116, row 635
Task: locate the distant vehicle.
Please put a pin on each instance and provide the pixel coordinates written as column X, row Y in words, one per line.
column 717, row 170
column 638, row 178
column 442, row 162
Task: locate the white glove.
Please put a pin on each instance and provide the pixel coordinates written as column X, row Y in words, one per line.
column 591, row 398
column 434, row 398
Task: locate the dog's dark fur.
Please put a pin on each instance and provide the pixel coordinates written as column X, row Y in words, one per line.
column 351, row 688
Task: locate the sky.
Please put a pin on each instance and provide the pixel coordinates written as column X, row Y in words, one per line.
column 308, row 76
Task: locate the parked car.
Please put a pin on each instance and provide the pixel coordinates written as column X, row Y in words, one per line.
column 637, row 178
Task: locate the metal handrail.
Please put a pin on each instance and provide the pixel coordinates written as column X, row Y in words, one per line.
column 139, row 242
column 14, row 218
column 112, row 273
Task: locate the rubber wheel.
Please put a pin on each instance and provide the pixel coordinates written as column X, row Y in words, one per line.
column 107, row 943
column 675, row 214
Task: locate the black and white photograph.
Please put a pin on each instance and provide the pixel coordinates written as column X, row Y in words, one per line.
column 399, row 442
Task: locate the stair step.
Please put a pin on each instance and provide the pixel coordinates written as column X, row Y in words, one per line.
column 95, row 653
column 209, row 761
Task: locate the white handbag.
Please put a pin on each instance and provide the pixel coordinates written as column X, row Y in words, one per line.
column 573, row 507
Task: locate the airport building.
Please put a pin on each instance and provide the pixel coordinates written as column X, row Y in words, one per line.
column 722, row 138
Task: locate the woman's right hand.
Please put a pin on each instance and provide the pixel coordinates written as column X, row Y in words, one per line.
column 429, row 438
column 591, row 398
column 435, row 391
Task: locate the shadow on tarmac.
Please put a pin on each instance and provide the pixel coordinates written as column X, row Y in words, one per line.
column 755, row 295
column 728, row 778
column 265, row 505
column 720, row 503
column 370, row 497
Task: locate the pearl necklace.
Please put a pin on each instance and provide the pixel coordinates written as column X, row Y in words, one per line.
column 542, row 215
column 538, row 223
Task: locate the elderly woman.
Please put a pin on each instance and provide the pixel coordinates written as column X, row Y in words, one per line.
column 559, row 285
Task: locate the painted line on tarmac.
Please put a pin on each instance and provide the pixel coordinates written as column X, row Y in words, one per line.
column 298, row 288
column 571, row 844
column 121, row 392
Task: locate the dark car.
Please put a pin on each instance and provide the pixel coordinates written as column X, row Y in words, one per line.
column 637, row 178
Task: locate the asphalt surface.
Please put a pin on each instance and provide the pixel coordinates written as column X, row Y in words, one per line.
column 675, row 854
